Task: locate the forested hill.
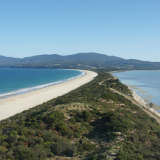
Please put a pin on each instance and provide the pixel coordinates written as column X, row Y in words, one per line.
column 54, row 57
column 77, row 61
column 8, row 60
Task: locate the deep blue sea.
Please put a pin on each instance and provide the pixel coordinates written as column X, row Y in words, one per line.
column 17, row 81
column 146, row 82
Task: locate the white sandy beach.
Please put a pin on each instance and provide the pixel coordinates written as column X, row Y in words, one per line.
column 18, row 103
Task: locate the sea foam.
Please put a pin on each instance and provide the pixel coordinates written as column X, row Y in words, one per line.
column 25, row 90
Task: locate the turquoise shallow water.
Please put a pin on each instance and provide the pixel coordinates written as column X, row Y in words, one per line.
column 17, row 81
column 147, row 83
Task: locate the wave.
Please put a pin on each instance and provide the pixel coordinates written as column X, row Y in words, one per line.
column 24, row 90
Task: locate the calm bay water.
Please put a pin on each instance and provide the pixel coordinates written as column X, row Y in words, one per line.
column 17, row 81
column 147, row 83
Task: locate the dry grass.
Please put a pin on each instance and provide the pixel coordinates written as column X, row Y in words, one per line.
column 65, row 108
column 72, row 106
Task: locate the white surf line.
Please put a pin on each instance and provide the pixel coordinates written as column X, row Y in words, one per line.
column 16, row 104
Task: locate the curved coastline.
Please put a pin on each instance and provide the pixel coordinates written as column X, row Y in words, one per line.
column 25, row 90
column 140, row 100
column 18, row 103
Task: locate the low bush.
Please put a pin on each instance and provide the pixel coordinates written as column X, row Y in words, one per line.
column 54, row 117
column 63, row 148
column 25, row 154
column 62, row 128
column 88, row 146
column 76, row 135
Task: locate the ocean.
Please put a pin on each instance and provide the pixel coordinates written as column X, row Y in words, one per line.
column 15, row 81
column 145, row 83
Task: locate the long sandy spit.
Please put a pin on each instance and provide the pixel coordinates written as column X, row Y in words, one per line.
column 18, row 103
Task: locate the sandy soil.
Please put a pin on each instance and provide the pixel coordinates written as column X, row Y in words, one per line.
column 16, row 104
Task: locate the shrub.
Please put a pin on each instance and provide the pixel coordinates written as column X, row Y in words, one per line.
column 13, row 133
column 39, row 151
column 80, row 148
column 72, row 120
column 69, row 134
column 40, row 140
column 62, row 128
column 109, row 96
column 63, row 148
column 48, row 136
column 79, row 130
column 2, row 138
column 2, row 150
column 76, row 135
column 86, row 116
column 88, row 146
column 13, row 139
column 23, row 131
column 153, row 119
column 5, row 144
column 2, row 157
column 61, row 101
column 54, row 117
column 53, row 126
column 24, row 154
column 158, row 134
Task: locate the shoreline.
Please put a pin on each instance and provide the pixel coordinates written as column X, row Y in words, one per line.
column 18, row 103
column 132, row 70
column 140, row 100
column 29, row 89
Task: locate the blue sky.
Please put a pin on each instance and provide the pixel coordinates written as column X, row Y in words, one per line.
column 125, row 28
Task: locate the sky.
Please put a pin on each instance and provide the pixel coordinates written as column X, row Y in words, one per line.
column 124, row 28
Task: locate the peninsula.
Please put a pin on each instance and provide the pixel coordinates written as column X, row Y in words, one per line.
column 93, row 121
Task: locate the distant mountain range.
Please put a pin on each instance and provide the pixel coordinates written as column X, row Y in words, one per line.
column 79, row 60
column 55, row 57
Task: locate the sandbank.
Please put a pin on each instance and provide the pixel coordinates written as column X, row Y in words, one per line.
column 18, row 103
